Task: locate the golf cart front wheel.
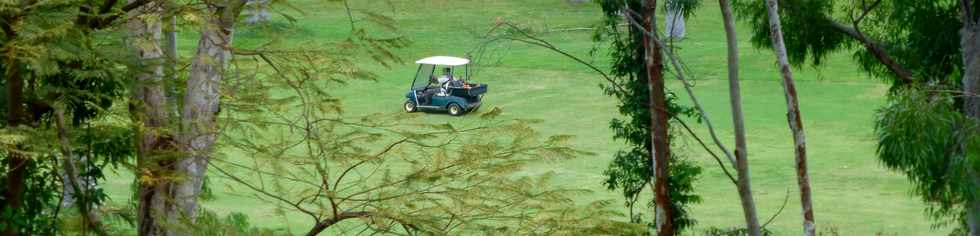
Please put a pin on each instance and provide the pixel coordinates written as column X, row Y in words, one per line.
column 455, row 109
column 410, row 106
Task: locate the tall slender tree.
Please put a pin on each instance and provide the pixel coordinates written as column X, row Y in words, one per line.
column 202, row 101
column 151, row 119
column 660, row 153
column 793, row 116
column 735, row 99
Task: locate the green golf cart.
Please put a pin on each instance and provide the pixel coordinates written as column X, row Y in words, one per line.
column 439, row 85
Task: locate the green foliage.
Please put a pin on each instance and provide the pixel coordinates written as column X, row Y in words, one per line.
column 64, row 64
column 921, row 134
column 39, row 209
column 921, row 35
column 234, row 224
column 687, row 7
column 811, row 36
column 715, row 231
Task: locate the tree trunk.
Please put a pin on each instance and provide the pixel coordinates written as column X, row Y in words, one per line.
column 199, row 117
column 741, row 154
column 793, row 116
column 148, row 109
column 91, row 219
column 970, row 42
column 170, row 50
column 16, row 163
column 658, row 123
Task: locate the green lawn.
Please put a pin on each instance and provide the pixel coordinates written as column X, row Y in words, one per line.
column 852, row 192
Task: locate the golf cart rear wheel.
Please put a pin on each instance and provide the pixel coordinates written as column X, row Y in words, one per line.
column 455, row 109
column 410, row 106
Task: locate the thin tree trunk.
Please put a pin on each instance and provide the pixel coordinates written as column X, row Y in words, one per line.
column 199, row 117
column 970, row 42
column 71, row 172
column 16, row 164
column 793, row 116
column 148, row 109
column 741, row 154
column 658, row 123
column 170, row 40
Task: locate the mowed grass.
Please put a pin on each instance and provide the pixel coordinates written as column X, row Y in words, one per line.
column 852, row 193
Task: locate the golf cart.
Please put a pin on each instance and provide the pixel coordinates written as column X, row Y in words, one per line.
column 443, row 89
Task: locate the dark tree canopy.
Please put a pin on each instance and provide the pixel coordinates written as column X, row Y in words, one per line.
column 921, row 35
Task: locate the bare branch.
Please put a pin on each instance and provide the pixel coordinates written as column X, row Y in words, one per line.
column 687, row 85
column 532, row 40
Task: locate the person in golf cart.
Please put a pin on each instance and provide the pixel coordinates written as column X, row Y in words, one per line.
column 445, row 80
column 445, row 92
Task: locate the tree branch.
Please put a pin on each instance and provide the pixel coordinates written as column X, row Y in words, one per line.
column 687, row 85
column 324, row 224
column 530, row 39
column 877, row 49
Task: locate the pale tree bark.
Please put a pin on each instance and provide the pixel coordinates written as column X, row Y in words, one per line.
column 199, row 117
column 170, row 49
column 741, row 154
column 970, row 43
column 793, row 116
column 90, row 218
column 658, row 123
column 150, row 117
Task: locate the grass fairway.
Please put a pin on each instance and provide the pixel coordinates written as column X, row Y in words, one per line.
column 852, row 192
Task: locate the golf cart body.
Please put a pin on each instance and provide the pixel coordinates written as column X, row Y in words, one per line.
column 449, row 92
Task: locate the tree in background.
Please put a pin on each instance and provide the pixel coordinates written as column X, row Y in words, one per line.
column 927, row 50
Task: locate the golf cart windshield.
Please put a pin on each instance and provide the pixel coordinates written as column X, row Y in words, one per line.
column 423, row 77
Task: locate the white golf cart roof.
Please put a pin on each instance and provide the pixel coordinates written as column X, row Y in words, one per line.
column 443, row 61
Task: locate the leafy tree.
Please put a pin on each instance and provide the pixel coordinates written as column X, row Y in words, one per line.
column 915, row 44
column 55, row 56
column 388, row 173
column 936, row 146
column 631, row 169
